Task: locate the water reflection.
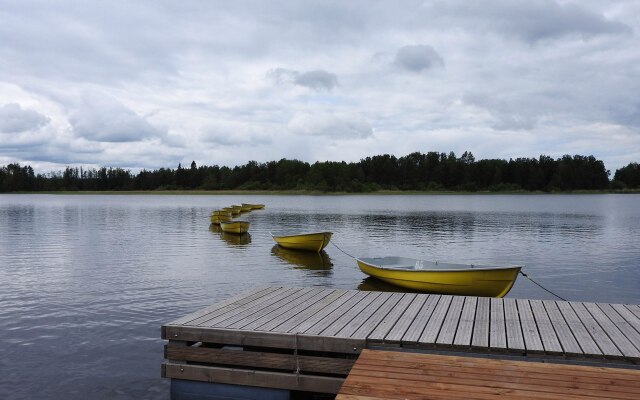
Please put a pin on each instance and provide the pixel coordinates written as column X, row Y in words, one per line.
column 317, row 262
column 370, row 284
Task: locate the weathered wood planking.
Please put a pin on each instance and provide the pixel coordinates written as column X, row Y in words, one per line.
column 335, row 319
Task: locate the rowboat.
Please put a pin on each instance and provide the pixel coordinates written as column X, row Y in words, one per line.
column 304, row 241
column 237, row 227
column 438, row 277
column 221, row 212
column 253, row 206
column 217, row 219
column 245, row 207
column 235, row 210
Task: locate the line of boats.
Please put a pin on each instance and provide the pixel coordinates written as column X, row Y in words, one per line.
column 409, row 273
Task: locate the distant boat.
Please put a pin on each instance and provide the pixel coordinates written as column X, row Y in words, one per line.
column 246, row 207
column 315, row 241
column 237, row 227
column 217, row 219
column 439, row 277
column 253, row 206
column 235, row 210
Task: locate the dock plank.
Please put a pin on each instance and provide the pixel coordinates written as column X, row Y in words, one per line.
column 587, row 343
column 450, row 323
column 608, row 348
column 621, row 323
column 415, row 329
column 497, row 328
column 465, row 326
column 635, row 309
column 215, row 318
column 432, row 329
column 191, row 319
column 303, row 313
column 628, row 316
column 313, row 315
column 532, row 340
column 617, row 337
column 392, row 317
column 267, row 321
column 375, row 319
column 398, row 331
column 330, row 319
column 259, row 310
column 480, row 338
column 351, row 315
column 395, row 375
column 550, row 341
column 376, row 306
column 515, row 340
column 568, row 342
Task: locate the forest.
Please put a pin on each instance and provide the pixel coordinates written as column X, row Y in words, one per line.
column 417, row 171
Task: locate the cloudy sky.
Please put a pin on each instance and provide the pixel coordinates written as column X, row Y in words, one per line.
column 149, row 84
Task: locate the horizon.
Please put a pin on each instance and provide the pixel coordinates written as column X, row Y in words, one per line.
column 150, row 85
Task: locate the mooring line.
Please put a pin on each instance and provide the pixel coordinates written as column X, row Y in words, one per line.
column 337, row 247
column 542, row 287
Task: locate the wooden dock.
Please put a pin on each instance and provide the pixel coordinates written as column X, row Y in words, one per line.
column 379, row 375
column 308, row 339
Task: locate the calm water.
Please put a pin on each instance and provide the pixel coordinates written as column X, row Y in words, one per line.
column 87, row 281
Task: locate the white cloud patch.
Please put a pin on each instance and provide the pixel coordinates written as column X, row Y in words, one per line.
column 339, row 126
column 104, row 119
column 15, row 119
column 418, row 58
column 316, row 79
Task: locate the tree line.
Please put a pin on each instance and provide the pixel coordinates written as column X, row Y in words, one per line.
column 432, row 171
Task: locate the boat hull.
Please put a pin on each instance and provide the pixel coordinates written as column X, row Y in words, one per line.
column 306, row 242
column 237, row 227
column 217, row 219
column 480, row 282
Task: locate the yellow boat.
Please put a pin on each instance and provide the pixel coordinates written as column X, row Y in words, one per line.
column 246, row 207
column 253, row 206
column 217, row 219
column 304, row 241
column 438, row 277
column 221, row 212
column 237, row 227
column 235, row 210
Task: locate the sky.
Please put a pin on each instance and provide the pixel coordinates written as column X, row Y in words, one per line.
column 150, row 84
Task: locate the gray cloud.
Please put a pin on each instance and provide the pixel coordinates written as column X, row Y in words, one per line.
column 334, row 125
column 541, row 70
column 418, row 58
column 14, row 119
column 531, row 21
column 316, row 79
column 104, row 119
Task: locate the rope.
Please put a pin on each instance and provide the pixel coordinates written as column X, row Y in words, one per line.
column 542, row 287
column 336, row 246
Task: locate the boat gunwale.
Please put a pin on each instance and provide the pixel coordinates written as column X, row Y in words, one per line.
column 300, row 234
column 479, row 268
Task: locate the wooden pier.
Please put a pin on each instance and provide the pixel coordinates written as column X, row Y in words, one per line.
column 381, row 375
column 307, row 339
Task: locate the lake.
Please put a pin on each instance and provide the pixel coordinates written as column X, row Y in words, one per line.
column 87, row 281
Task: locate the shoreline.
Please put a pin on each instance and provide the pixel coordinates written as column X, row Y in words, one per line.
column 197, row 192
